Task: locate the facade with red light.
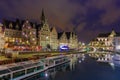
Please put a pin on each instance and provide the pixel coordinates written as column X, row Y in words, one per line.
column 23, row 35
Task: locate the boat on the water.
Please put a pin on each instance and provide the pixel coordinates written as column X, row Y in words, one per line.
column 17, row 71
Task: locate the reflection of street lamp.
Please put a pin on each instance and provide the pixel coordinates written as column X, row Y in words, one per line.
column 46, row 74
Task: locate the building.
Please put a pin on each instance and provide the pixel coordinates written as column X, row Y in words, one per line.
column 19, row 34
column 68, row 39
column 54, row 38
column 12, row 34
column 62, row 38
column 72, row 40
column 25, row 35
column 2, row 41
column 44, row 36
column 29, row 34
column 44, row 32
column 50, row 38
column 104, row 41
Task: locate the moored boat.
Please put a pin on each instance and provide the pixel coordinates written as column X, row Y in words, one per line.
column 17, row 71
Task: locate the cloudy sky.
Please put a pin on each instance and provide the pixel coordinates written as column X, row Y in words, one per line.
column 89, row 17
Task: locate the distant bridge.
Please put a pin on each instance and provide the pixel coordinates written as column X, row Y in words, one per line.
column 115, row 52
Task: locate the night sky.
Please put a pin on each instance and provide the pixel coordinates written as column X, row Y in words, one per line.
column 89, row 17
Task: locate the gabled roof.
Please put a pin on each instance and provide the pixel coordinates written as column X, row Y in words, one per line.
column 60, row 34
column 107, row 34
column 17, row 22
column 68, row 34
column 103, row 35
column 6, row 24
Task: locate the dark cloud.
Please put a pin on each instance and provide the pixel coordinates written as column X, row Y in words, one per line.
column 88, row 16
column 111, row 11
column 59, row 13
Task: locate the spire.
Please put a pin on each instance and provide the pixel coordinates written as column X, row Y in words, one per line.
column 42, row 17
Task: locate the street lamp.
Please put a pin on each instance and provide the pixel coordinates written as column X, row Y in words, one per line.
column 47, row 37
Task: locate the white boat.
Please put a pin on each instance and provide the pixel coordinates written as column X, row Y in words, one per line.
column 18, row 71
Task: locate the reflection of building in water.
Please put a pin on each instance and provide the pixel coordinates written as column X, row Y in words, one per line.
column 52, row 73
column 73, row 61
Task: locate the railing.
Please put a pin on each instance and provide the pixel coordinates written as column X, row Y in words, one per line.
column 24, row 69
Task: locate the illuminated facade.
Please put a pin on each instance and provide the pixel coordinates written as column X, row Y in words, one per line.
column 72, row 40
column 62, row 39
column 54, row 38
column 2, row 41
column 20, row 34
column 12, row 36
column 104, row 41
column 29, row 34
column 68, row 39
column 44, row 36
column 44, row 32
column 50, row 38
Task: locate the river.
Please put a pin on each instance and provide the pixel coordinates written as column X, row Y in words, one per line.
column 87, row 69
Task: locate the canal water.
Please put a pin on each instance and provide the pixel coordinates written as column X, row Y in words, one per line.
column 83, row 69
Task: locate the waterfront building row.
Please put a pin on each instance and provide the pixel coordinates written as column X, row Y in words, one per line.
column 107, row 41
column 18, row 34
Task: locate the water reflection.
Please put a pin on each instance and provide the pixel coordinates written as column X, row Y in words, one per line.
column 72, row 63
column 76, row 59
column 112, row 65
column 50, row 73
column 80, row 68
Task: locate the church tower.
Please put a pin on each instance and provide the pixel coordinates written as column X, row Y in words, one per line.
column 44, row 32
